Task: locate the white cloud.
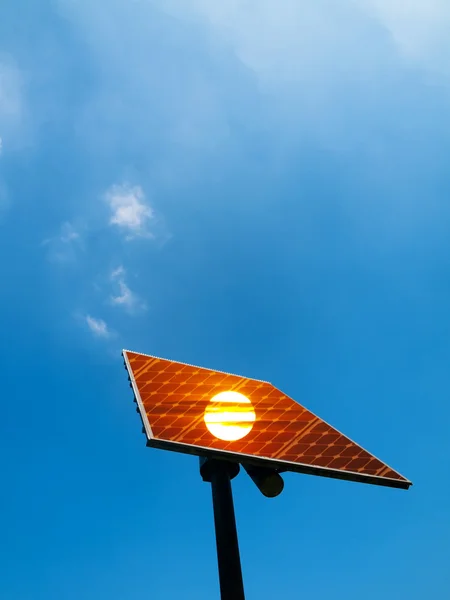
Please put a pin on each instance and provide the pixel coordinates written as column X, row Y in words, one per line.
column 129, row 210
column 119, row 272
column 98, row 327
column 124, row 296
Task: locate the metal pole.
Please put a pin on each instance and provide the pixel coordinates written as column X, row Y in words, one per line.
column 219, row 474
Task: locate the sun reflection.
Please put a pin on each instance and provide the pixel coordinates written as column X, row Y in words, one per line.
column 229, row 416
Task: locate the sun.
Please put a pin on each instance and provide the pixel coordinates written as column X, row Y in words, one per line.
column 229, row 416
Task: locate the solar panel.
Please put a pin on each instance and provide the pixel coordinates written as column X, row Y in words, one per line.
column 210, row 413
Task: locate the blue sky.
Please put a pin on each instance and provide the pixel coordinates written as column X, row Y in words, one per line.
column 256, row 187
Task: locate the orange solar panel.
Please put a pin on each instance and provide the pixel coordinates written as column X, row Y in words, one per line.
column 209, row 413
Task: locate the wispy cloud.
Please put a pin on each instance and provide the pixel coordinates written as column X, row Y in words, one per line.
column 303, row 56
column 129, row 210
column 68, row 233
column 117, row 273
column 419, row 29
column 63, row 247
column 98, row 327
column 266, row 36
column 124, row 296
column 290, row 73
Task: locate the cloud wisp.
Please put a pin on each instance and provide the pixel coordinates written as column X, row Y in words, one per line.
column 129, row 211
column 270, row 37
column 124, row 297
column 418, row 29
column 263, row 83
column 98, row 327
column 64, row 247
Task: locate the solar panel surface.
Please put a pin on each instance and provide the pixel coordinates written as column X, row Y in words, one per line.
column 184, row 408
